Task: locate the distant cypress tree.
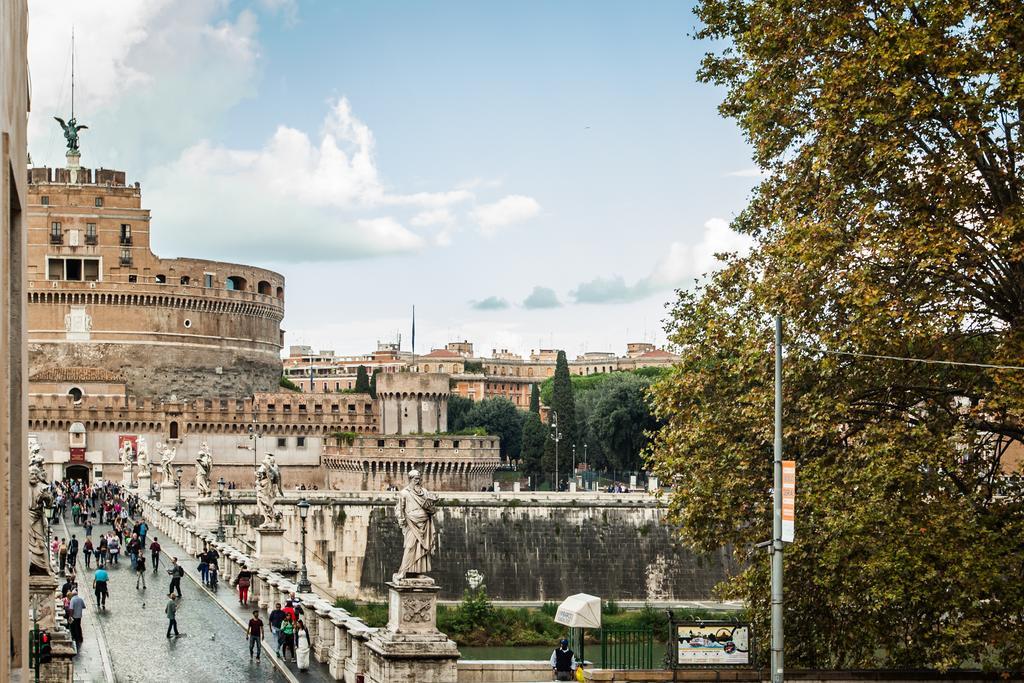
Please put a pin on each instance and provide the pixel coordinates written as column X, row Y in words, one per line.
column 563, row 405
column 373, row 384
column 535, row 399
column 362, row 380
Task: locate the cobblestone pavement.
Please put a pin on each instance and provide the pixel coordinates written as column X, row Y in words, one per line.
column 212, row 647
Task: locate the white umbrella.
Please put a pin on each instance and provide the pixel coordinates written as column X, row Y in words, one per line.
column 580, row 611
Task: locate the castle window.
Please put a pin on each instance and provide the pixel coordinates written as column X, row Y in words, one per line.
column 264, row 287
column 133, row 278
column 282, row 442
column 380, row 443
column 271, row 408
column 76, row 394
column 287, row 407
column 223, row 404
column 207, row 279
column 161, row 279
column 300, row 441
column 90, row 233
column 367, row 408
column 44, row 200
column 335, row 408
column 126, row 256
column 174, row 430
column 56, row 237
column 401, row 443
column 437, row 443
column 236, row 282
column 455, row 445
column 318, row 408
column 302, row 407
column 99, row 202
column 184, row 279
column 351, row 407
column 126, row 234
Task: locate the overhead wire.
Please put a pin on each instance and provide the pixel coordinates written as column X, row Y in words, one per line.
column 933, row 361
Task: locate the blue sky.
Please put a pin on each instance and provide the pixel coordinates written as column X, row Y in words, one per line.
column 526, row 174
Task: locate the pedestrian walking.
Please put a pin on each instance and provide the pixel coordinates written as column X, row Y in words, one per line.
column 77, row 607
column 113, row 548
column 204, row 568
column 171, row 610
column 176, row 571
column 72, row 552
column 243, row 581
column 302, row 646
column 87, row 550
column 99, row 586
column 140, row 571
column 154, row 551
column 62, row 555
column 275, row 619
column 101, row 552
column 287, row 636
column 255, row 634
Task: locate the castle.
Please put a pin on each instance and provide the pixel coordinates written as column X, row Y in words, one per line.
column 125, row 347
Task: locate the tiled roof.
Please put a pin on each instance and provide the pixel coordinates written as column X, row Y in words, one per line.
column 442, row 353
column 657, row 353
column 74, row 374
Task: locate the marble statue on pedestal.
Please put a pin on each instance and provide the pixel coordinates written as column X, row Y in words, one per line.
column 128, row 458
column 40, row 503
column 142, row 459
column 265, row 496
column 166, row 458
column 204, row 469
column 415, row 512
column 274, row 473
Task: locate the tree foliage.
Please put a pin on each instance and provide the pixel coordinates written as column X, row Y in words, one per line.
column 618, row 418
column 362, row 380
column 562, row 405
column 458, row 409
column 498, row 416
column 890, row 222
column 535, row 434
column 534, row 399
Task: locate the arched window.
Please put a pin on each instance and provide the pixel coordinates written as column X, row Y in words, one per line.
column 174, row 430
column 236, row 282
column 280, row 293
column 263, row 287
column 76, row 394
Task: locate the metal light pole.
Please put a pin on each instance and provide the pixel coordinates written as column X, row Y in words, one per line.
column 574, row 462
column 303, row 585
column 777, row 634
column 557, row 436
column 220, row 509
column 254, row 434
column 179, row 508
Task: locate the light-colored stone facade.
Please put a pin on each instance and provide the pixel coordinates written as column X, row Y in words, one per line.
column 14, row 107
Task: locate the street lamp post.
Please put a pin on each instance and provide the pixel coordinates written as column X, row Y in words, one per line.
column 303, row 585
column 254, row 434
column 574, row 462
column 557, row 436
column 220, row 509
column 179, row 508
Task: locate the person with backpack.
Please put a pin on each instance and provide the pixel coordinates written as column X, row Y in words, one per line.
column 177, row 572
column 99, row 586
column 113, row 548
column 140, row 571
column 287, row 638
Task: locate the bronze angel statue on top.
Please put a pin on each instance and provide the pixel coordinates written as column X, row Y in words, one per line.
column 71, row 129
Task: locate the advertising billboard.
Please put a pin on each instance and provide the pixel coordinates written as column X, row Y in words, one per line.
column 712, row 644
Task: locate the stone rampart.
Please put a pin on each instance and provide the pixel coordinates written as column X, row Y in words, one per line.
column 530, row 547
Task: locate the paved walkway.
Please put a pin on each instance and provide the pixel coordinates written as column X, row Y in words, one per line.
column 132, row 630
column 227, row 598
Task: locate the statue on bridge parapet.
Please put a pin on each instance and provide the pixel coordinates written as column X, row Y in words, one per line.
column 266, row 497
column 274, row 473
column 39, row 505
column 166, row 458
column 415, row 512
column 204, row 469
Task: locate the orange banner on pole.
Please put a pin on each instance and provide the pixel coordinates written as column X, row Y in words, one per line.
column 788, row 500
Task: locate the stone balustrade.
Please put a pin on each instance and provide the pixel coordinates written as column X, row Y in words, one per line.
column 339, row 639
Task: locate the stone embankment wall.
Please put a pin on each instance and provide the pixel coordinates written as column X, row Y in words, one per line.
column 529, row 547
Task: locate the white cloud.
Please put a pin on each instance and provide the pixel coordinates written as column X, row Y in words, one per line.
column 514, row 208
column 681, row 264
column 151, row 75
column 299, row 199
column 542, row 297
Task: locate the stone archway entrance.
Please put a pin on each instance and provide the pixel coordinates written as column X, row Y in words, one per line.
column 79, row 472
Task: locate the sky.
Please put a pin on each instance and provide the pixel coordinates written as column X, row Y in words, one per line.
column 526, row 174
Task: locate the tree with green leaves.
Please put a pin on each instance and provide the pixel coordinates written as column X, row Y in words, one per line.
column 362, row 380
column 888, row 225
column 620, row 420
column 535, row 399
column 458, row 409
column 373, row 384
column 562, row 405
column 498, row 416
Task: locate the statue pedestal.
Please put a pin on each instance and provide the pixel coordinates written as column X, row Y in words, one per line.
column 126, row 477
column 145, row 483
column 411, row 648
column 42, row 591
column 269, row 544
column 206, row 513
